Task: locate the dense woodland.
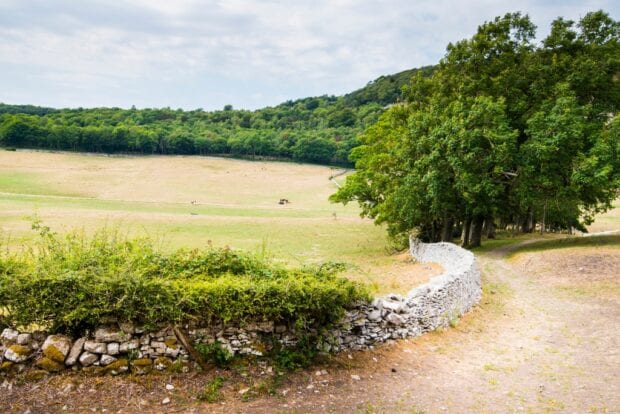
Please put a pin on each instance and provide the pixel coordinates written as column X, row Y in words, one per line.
column 319, row 129
column 506, row 132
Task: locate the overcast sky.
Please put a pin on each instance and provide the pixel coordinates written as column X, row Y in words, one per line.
column 205, row 54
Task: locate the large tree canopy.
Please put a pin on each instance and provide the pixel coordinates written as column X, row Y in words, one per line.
column 504, row 131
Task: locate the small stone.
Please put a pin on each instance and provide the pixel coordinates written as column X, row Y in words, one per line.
column 165, row 401
column 117, row 367
column 393, row 369
column 129, row 345
column 49, row 364
column 109, row 334
column 243, row 391
column 95, row 347
column 141, row 366
column 57, row 347
column 310, row 387
column 9, row 334
column 113, row 348
column 162, row 363
column 75, row 352
column 88, row 358
column 106, row 359
column 17, row 353
column 355, row 377
column 395, row 319
column 24, row 339
column 127, row 327
column 169, row 387
column 374, row 315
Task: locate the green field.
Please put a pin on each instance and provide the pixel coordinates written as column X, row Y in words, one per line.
column 195, row 201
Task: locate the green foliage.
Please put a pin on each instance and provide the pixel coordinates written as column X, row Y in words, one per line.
column 214, row 353
column 70, row 283
column 211, row 391
column 297, row 357
column 503, row 131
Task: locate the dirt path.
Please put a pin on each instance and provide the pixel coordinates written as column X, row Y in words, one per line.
column 529, row 347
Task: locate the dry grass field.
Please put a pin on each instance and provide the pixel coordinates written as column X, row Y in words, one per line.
column 194, row 201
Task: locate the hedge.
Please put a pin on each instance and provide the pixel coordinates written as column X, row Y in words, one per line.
column 72, row 283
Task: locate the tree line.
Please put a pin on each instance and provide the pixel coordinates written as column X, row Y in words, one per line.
column 317, row 129
column 505, row 132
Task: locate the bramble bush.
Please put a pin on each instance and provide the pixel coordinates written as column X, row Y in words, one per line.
column 72, row 283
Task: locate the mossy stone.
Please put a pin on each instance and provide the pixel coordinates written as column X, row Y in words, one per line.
column 162, row 363
column 118, row 367
column 35, row 375
column 54, row 354
column 6, row 366
column 49, row 364
column 93, row 370
column 21, row 350
column 141, row 366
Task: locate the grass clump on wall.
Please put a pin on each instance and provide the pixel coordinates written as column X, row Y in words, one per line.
column 72, row 283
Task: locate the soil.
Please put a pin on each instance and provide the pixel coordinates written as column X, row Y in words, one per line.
column 540, row 341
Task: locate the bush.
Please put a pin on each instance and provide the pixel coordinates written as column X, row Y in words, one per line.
column 71, row 283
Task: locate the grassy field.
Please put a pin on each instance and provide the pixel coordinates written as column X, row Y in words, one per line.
column 195, row 201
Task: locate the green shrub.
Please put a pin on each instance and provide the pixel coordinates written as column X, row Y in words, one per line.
column 70, row 283
column 215, row 353
column 211, row 391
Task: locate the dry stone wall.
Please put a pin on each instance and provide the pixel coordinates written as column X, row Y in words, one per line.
column 116, row 348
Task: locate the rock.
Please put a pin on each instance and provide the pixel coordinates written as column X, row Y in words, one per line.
column 106, row 359
column 24, row 339
column 17, row 353
column 9, row 335
column 169, row 387
column 396, row 307
column 57, row 347
column 75, row 352
column 113, row 348
column 374, row 315
column 109, row 334
column 35, row 375
column 49, row 364
column 355, row 377
column 165, row 401
column 88, row 358
column 127, row 327
column 129, row 345
column 162, row 363
column 141, row 366
column 395, row 319
column 95, row 347
column 117, row 367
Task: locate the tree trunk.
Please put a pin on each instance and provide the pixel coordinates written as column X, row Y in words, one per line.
column 446, row 231
column 489, row 228
column 465, row 233
column 542, row 224
column 476, row 232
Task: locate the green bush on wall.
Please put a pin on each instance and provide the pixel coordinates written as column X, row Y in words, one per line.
column 71, row 283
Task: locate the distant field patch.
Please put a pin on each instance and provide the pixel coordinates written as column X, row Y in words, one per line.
column 195, row 201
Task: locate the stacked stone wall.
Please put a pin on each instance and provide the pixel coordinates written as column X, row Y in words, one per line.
column 116, row 348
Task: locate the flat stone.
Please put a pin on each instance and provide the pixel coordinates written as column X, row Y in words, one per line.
column 57, row 347
column 129, row 345
column 374, row 315
column 395, row 319
column 75, row 352
column 9, row 334
column 106, row 359
column 95, row 347
column 113, row 348
column 24, row 339
column 109, row 334
column 17, row 353
column 88, row 358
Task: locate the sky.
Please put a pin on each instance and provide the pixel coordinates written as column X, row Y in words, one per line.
column 206, row 54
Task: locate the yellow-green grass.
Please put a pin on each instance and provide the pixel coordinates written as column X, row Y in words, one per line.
column 195, row 201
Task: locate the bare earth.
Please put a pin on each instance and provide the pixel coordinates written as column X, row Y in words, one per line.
column 540, row 341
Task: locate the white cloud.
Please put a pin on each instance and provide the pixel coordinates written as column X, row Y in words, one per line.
column 195, row 53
